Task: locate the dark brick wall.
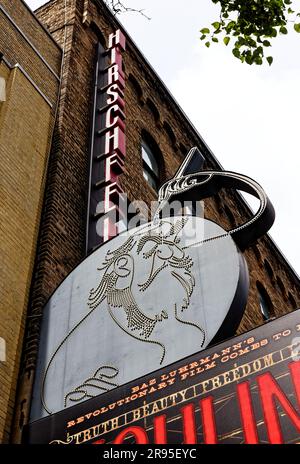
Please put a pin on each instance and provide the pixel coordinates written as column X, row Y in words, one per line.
column 150, row 107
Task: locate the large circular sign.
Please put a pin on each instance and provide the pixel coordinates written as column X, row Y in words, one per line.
column 146, row 299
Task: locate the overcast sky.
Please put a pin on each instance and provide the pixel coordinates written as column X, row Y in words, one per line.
column 249, row 116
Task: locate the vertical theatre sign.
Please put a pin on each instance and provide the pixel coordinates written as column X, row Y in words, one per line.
column 108, row 143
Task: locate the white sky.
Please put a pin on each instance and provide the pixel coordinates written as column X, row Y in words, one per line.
column 249, row 116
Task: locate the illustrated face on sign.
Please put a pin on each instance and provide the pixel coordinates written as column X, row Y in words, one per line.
column 158, row 254
column 145, row 299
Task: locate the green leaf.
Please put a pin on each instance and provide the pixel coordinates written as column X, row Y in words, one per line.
column 207, row 44
column 266, row 43
column 270, row 60
column 236, row 52
column 226, row 40
column 205, row 30
column 230, row 26
column 297, row 27
column 273, row 33
column 283, row 30
column 215, row 39
column 249, row 59
column 216, row 25
column 203, row 37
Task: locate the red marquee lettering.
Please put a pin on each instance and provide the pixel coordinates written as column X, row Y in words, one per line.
column 247, row 414
column 160, row 430
column 189, row 424
column 271, row 391
column 208, row 421
column 140, row 435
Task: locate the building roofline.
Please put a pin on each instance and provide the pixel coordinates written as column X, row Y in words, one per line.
column 40, row 23
column 29, row 42
column 274, row 244
column 22, row 70
column 113, row 18
column 198, row 135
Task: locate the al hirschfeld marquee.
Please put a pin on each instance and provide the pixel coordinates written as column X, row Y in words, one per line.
column 153, row 304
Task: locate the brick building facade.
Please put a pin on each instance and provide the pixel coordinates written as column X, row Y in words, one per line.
column 152, row 117
column 30, row 65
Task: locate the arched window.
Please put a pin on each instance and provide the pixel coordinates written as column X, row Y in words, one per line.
column 292, row 301
column 152, row 107
column 170, row 133
column 256, row 252
column 229, row 215
column 137, row 88
column 269, row 269
column 96, row 29
column 281, row 286
column 218, row 201
column 150, row 164
column 183, row 149
column 266, row 306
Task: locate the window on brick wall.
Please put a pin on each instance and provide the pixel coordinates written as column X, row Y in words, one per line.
column 150, row 165
column 269, row 269
column 265, row 303
column 292, row 301
column 230, row 216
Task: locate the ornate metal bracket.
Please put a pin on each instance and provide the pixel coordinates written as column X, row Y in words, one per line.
column 205, row 184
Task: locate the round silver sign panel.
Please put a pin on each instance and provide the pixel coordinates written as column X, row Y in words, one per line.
column 146, row 299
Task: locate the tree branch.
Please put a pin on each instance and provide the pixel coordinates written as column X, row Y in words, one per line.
column 118, row 7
